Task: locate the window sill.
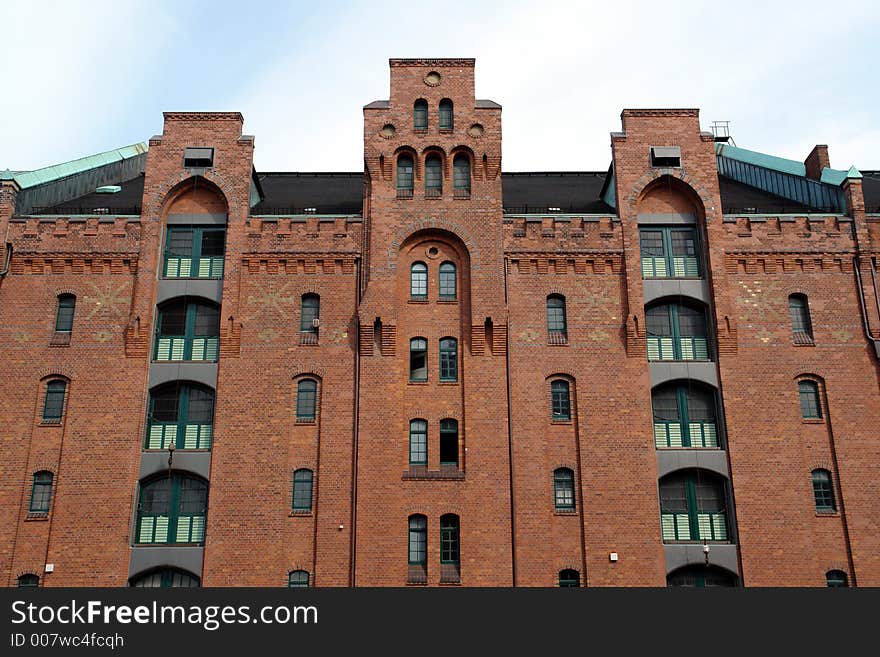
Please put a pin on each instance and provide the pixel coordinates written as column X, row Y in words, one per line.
column 451, row 300
column 421, row 473
column 433, row 197
column 423, row 582
column 36, row 516
column 688, row 447
column 446, row 131
column 450, row 582
column 680, row 360
column 305, row 420
column 417, row 383
column 49, row 423
column 555, row 421
column 190, row 278
column 803, row 344
column 60, row 339
column 300, row 514
column 672, row 278
column 828, row 514
column 813, row 420
column 418, row 300
column 698, row 542
column 308, row 339
column 565, row 512
column 186, row 362
column 449, row 383
column 159, row 450
column 462, row 197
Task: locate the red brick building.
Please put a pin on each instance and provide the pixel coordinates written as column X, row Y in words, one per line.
column 433, row 372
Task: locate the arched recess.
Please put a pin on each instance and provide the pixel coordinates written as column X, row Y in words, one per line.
column 165, row 577
column 195, row 195
column 700, row 576
column 434, row 248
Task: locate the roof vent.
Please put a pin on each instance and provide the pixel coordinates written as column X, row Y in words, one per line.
column 310, row 210
column 665, row 156
column 109, row 189
column 198, row 158
column 721, row 132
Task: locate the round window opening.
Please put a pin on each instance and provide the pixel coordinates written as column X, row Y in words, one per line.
column 433, row 251
column 432, row 79
column 476, row 130
column 387, row 131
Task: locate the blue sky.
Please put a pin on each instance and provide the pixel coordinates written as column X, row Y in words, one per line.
column 83, row 77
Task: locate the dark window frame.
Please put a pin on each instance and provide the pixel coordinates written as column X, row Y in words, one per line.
column 176, row 500
column 54, row 401
column 303, row 490
column 41, row 492
column 560, row 400
column 569, row 578
column 557, row 322
column 564, row 490
column 185, row 394
column 299, row 579
column 448, row 280
column 420, row 114
column 801, row 321
column 195, row 341
column 418, row 441
column 310, row 310
column 445, row 114
column 811, row 400
column 65, row 313
column 449, row 434
column 667, row 246
column 418, row 349
column 191, row 252
column 448, row 355
column 417, row 540
column 418, row 281
column 450, row 539
column 306, row 400
column 823, row 490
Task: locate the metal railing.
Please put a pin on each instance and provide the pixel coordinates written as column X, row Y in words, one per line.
column 85, row 209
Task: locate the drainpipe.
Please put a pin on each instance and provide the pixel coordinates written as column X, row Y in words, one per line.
column 354, row 450
column 509, row 437
column 5, row 269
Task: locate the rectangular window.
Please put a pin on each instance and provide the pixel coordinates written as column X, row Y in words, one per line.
column 669, row 252
column 53, row 406
column 418, row 442
column 64, row 319
column 418, row 359
column 449, row 442
column 198, row 158
column 194, row 252
column 41, row 493
column 809, row 395
column 665, row 156
column 449, row 359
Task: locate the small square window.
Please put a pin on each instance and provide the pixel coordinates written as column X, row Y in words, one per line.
column 198, row 158
column 665, row 156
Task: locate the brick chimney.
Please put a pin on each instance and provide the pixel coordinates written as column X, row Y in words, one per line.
column 816, row 161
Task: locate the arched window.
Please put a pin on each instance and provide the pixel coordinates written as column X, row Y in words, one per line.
column 41, row 492
column 448, row 359
column 433, row 176
column 311, row 311
column 676, row 332
column 811, row 408
column 298, row 579
column 418, row 359
column 450, row 548
column 801, row 326
column 563, row 489
column 445, row 114
column 556, row 324
column 569, row 578
column 418, row 280
column 823, row 490
column 418, row 442
column 420, row 114
column 172, row 510
column 194, row 252
column 64, row 316
column 166, row 578
column 188, row 331
column 461, row 175
column 560, row 400
column 699, row 577
column 182, row 414
column 28, row 581
column 684, row 416
column 692, row 507
column 306, row 395
column 417, row 549
column 449, row 442
column 404, row 176
column 53, row 404
column 302, row 490
column 836, row 579
column 447, row 281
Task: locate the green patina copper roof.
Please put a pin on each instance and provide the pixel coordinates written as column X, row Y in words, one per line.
column 829, row 176
column 27, row 179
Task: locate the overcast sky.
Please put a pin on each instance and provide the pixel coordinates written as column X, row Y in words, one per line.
column 84, row 77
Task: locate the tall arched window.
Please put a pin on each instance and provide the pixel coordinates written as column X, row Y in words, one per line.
column 811, row 408
column 801, row 326
column 298, row 579
column 445, row 114
column 450, row 548
column 692, row 507
column 172, row 510
column 182, row 414
column 676, row 332
column 823, row 490
column 64, row 316
column 569, row 578
column 306, row 396
column 166, row 578
column 449, row 442
column 448, row 359
column 418, row 442
column 41, row 492
column 404, row 176
column 447, row 281
column 433, row 176
column 418, row 359
column 563, row 489
column 188, row 330
column 418, row 280
column 560, row 400
column 461, row 175
column 556, row 323
column 311, row 311
column 53, row 404
column 684, row 416
column 302, row 490
column 417, row 549
column 420, row 114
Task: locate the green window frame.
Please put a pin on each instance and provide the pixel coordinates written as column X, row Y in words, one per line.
column 699, row 577
column 298, row 579
column 461, row 175
column 420, row 114
column 811, row 407
column 405, row 177
column 418, row 359
column 685, row 415
column 171, row 510
column 676, row 332
column 28, row 581
column 670, row 252
column 306, row 400
column 449, row 442
column 560, row 400
column 65, row 312
column 418, row 280
column 448, row 359
column 563, row 489
column 556, row 323
column 166, row 578
column 194, row 252
column 418, row 442
column 569, row 578
column 188, row 330
column 823, row 490
column 311, row 311
column 417, row 542
column 433, row 176
column 41, row 492
column 53, row 403
column 445, row 114
column 836, row 579
column 182, row 415
column 448, row 286
column 302, row 490
column 692, row 507
column 799, row 312
column 450, row 539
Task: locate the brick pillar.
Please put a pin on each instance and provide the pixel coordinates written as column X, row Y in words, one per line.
column 816, row 161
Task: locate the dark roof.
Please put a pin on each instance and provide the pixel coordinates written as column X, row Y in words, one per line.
column 378, row 104
column 327, row 193
column 871, row 190
column 570, row 191
column 125, row 201
column 739, row 198
column 486, row 104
